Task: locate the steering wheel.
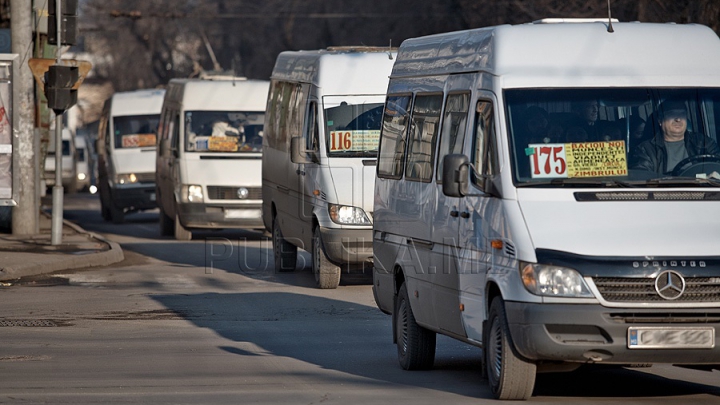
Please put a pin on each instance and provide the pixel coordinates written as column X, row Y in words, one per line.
column 696, row 164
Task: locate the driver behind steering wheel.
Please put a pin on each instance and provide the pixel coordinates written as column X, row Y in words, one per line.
column 674, row 143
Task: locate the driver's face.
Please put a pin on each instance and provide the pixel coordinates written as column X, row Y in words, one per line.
column 674, row 126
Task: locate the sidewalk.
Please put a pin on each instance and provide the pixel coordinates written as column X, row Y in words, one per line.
column 29, row 255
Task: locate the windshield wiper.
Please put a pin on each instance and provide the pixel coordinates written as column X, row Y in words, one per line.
column 674, row 181
column 580, row 182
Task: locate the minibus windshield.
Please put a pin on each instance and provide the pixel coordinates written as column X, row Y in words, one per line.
column 352, row 126
column 224, row 131
column 136, row 131
column 617, row 137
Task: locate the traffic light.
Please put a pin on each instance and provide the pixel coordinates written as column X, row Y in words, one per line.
column 59, row 83
column 68, row 22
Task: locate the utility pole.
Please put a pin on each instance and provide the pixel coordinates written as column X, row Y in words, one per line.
column 25, row 214
column 57, row 191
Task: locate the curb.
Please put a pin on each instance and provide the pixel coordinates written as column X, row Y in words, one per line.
column 67, row 262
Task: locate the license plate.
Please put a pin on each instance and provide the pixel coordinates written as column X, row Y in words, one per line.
column 242, row 214
column 152, row 196
column 671, row 338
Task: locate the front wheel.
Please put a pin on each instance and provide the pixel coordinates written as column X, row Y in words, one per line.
column 284, row 252
column 509, row 376
column 327, row 275
column 181, row 233
column 117, row 215
column 166, row 224
column 415, row 344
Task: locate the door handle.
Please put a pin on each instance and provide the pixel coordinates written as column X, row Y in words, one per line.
column 454, row 214
column 465, row 214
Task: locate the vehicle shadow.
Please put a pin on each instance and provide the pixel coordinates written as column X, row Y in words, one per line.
column 334, row 335
column 343, row 336
column 617, row 382
column 238, row 251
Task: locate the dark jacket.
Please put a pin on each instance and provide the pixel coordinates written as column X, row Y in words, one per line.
column 651, row 155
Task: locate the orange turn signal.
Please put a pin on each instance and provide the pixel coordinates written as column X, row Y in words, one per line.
column 496, row 244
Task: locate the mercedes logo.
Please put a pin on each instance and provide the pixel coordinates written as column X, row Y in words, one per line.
column 243, row 193
column 670, row 285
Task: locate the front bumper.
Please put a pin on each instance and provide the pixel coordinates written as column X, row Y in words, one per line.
column 134, row 197
column 221, row 216
column 593, row 333
column 353, row 246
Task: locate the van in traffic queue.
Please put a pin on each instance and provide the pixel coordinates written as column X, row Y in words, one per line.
column 68, row 159
column 322, row 127
column 513, row 209
column 127, row 134
column 209, row 155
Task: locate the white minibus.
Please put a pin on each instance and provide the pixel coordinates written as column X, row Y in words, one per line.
column 322, row 126
column 209, row 155
column 126, row 140
column 547, row 192
column 69, row 157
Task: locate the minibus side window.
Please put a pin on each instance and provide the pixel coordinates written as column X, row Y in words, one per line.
column 392, row 140
column 452, row 134
column 483, row 149
column 311, row 130
column 424, row 127
column 270, row 130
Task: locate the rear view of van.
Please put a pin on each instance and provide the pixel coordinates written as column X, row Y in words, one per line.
column 127, row 136
column 209, row 155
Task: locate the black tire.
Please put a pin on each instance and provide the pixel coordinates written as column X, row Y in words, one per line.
column 117, row 215
column 415, row 344
column 284, row 252
column 167, row 226
column 327, row 275
column 104, row 211
column 181, row 233
column 509, row 376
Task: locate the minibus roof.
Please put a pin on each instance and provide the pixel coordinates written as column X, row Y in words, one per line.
column 138, row 102
column 222, row 94
column 338, row 70
column 566, row 53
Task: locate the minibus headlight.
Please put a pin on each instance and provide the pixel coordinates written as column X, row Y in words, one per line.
column 192, row 193
column 347, row 215
column 125, row 178
column 553, row 281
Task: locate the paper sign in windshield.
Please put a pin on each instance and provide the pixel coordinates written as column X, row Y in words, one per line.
column 354, row 141
column 586, row 159
column 138, row 140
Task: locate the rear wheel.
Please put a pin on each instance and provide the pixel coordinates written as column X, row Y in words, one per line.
column 181, row 233
column 327, row 275
column 509, row 376
column 415, row 344
column 284, row 252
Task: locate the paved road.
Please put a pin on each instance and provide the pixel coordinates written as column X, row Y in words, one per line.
column 207, row 322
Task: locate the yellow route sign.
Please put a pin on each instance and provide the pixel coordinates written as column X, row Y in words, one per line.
column 39, row 66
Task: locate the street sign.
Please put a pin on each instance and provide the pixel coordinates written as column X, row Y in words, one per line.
column 39, row 66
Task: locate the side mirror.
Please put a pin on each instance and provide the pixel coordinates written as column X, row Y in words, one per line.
column 455, row 175
column 298, row 153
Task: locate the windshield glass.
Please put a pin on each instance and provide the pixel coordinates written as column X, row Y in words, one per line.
column 352, row 125
column 224, row 131
column 614, row 137
column 135, row 131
